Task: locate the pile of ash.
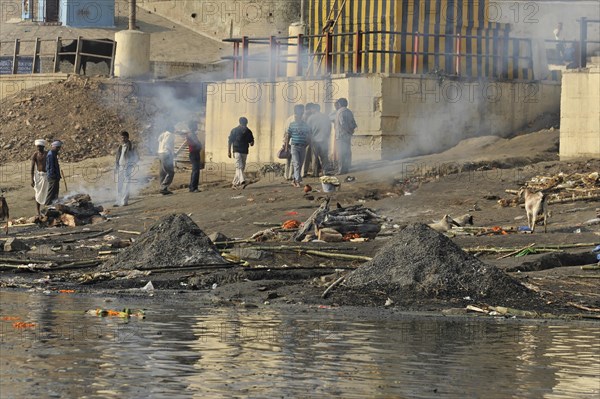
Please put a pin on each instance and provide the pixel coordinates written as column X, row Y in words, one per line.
column 174, row 241
column 422, row 264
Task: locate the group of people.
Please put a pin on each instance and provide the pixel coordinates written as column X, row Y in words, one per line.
column 307, row 137
column 307, row 134
column 166, row 156
column 45, row 173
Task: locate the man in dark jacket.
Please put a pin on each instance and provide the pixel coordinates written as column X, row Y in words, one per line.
column 126, row 160
column 240, row 139
column 53, row 172
column 194, row 148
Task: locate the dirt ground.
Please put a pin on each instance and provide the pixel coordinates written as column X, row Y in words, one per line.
column 420, row 189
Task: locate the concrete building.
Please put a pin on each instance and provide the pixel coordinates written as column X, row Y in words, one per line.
column 75, row 13
column 431, row 74
column 580, row 114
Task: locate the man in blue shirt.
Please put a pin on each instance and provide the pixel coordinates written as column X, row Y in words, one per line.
column 298, row 134
column 53, row 172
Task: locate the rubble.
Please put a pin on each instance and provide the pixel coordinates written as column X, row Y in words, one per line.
column 422, row 263
column 560, row 188
column 84, row 118
column 174, row 241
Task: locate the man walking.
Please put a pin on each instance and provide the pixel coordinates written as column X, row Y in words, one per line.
column 166, row 149
column 39, row 179
column 240, row 139
column 126, row 159
column 194, row 147
column 320, row 126
column 345, row 125
column 53, row 172
column 299, row 134
column 289, row 169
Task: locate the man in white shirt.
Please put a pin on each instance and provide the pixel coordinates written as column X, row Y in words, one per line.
column 166, row 150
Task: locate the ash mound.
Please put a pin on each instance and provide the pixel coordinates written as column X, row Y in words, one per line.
column 174, row 241
column 420, row 264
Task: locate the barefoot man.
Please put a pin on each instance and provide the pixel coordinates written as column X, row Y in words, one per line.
column 39, row 180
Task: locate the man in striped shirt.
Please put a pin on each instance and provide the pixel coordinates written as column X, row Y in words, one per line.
column 298, row 134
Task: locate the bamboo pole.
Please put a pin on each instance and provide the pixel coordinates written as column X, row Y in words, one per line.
column 332, row 286
column 516, row 251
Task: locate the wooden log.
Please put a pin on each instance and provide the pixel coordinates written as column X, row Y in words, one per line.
column 129, row 232
column 70, row 220
column 314, row 220
column 329, row 235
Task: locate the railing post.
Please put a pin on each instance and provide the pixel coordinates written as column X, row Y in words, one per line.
column 458, row 54
column 236, row 60
column 328, row 51
column 56, row 55
column 299, row 54
column 36, row 50
column 273, row 58
column 77, row 64
column 245, row 45
column 415, row 59
column 112, row 60
column 582, row 42
column 15, row 65
column 358, row 46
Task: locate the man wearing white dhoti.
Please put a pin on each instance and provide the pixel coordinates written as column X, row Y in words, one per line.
column 126, row 160
column 39, row 179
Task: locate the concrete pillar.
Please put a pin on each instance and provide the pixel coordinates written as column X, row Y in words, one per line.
column 132, row 58
column 297, row 28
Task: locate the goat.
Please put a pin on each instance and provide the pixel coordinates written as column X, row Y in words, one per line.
column 535, row 202
column 443, row 225
column 4, row 214
column 464, row 220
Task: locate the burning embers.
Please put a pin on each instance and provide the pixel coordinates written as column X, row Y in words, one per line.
column 75, row 210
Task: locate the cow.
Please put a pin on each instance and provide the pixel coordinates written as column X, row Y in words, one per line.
column 104, row 48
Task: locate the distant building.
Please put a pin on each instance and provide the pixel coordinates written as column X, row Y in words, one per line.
column 75, row 13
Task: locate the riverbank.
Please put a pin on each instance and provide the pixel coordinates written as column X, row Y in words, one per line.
column 281, row 272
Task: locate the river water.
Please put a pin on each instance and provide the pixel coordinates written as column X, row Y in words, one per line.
column 182, row 349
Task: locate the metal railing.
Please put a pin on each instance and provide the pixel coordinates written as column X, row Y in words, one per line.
column 56, row 55
column 355, row 46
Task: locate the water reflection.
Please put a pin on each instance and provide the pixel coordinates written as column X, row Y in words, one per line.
column 183, row 350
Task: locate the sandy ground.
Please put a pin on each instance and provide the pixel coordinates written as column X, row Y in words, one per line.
column 377, row 185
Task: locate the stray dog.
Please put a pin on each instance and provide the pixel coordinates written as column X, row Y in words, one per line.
column 535, row 203
column 464, row 220
column 443, row 225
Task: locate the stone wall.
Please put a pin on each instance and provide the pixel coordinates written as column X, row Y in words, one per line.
column 12, row 84
column 222, row 19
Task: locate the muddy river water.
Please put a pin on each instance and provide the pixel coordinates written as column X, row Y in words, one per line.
column 183, row 349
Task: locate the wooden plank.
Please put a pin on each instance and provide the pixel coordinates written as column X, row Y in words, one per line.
column 15, row 65
column 56, row 55
column 77, row 64
column 36, row 50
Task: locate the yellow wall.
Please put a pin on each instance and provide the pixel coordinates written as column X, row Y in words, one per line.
column 397, row 116
column 430, row 17
column 580, row 114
